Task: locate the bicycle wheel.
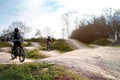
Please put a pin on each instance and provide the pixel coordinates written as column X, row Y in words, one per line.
column 48, row 47
column 12, row 55
column 22, row 55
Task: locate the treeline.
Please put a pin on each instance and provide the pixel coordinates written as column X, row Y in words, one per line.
column 7, row 33
column 107, row 26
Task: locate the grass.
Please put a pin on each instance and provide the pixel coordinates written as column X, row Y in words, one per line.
column 39, row 40
column 35, row 71
column 34, row 54
column 59, row 45
column 27, row 44
column 102, row 42
column 35, row 40
column 90, row 46
column 5, row 44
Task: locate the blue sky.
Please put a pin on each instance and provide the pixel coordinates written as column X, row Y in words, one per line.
column 39, row 14
column 11, row 8
column 52, row 4
column 8, row 11
column 26, row 11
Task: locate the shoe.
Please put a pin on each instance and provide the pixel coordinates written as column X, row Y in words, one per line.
column 15, row 58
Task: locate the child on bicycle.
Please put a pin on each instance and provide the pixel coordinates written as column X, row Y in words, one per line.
column 48, row 48
column 17, row 40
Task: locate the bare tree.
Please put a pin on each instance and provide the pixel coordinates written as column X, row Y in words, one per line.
column 113, row 21
column 63, row 33
column 22, row 27
column 76, row 22
column 6, row 35
column 65, row 18
column 116, row 24
column 91, row 31
column 38, row 33
column 107, row 13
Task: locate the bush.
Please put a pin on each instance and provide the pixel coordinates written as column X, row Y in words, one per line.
column 5, row 44
column 34, row 54
column 91, row 31
column 102, row 42
column 35, row 71
column 25, row 45
column 42, row 41
column 61, row 46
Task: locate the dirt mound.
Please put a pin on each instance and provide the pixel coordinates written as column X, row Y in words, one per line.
column 50, row 53
column 76, row 44
column 97, row 64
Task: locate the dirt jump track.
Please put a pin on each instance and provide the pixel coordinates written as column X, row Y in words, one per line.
column 101, row 63
column 97, row 64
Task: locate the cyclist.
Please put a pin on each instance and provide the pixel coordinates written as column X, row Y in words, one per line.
column 48, row 43
column 17, row 40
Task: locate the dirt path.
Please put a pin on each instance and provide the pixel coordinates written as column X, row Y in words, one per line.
column 97, row 64
column 35, row 44
column 5, row 58
column 76, row 44
column 50, row 53
column 101, row 63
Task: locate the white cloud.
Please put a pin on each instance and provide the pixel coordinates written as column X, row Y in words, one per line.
column 1, row 28
column 37, row 15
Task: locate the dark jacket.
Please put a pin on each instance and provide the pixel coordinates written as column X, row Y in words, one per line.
column 16, row 37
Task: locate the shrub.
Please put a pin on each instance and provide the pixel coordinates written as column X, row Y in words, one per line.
column 34, row 54
column 35, row 71
column 61, row 46
column 25, row 45
column 102, row 42
column 5, row 44
column 91, row 31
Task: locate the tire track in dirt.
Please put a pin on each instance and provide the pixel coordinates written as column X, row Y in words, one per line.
column 97, row 64
column 5, row 58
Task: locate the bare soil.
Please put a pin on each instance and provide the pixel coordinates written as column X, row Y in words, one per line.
column 100, row 63
column 97, row 64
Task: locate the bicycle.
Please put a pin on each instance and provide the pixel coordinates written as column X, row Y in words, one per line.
column 20, row 52
column 48, row 47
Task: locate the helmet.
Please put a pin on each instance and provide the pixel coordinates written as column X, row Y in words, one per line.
column 16, row 30
column 49, row 37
